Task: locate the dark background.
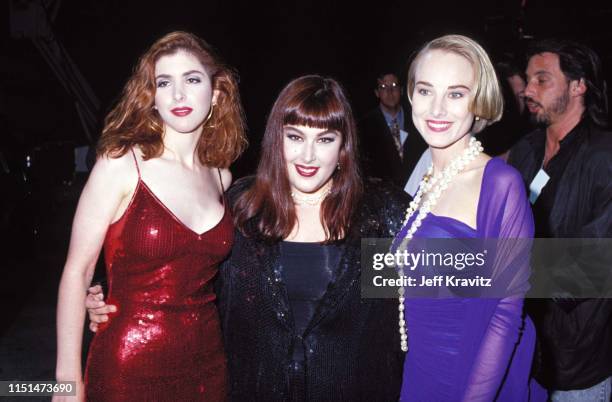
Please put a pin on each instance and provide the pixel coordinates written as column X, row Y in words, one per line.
column 268, row 42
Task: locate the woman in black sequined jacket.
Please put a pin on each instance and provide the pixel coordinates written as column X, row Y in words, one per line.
column 352, row 345
column 349, row 349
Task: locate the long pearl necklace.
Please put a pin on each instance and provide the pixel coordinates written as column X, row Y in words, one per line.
column 313, row 199
column 440, row 180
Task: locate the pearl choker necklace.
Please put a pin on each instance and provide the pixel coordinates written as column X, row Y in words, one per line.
column 440, row 180
column 312, row 199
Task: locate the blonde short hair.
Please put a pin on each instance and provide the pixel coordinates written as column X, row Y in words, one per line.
column 487, row 103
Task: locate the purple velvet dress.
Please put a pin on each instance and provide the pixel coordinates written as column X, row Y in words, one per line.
column 476, row 349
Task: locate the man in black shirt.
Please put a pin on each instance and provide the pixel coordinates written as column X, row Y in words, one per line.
column 566, row 165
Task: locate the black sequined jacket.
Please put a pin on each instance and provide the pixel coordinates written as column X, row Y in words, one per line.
column 351, row 344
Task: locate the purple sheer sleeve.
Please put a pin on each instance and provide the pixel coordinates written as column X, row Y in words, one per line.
column 504, row 215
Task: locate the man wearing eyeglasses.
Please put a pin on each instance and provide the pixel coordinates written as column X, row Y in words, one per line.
column 390, row 144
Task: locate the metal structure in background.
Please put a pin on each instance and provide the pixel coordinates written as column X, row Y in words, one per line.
column 33, row 19
column 44, row 186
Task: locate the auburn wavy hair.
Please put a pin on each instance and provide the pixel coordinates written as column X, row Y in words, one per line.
column 134, row 122
column 266, row 209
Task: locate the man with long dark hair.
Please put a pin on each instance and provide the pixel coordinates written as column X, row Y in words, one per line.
column 566, row 164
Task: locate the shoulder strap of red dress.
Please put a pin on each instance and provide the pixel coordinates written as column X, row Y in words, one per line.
column 135, row 162
column 221, row 180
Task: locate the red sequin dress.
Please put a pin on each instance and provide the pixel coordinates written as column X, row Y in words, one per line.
column 164, row 342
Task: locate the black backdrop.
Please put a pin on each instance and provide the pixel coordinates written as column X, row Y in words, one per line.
column 269, row 43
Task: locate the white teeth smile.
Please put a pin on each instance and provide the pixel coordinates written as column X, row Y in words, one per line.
column 308, row 170
column 438, row 126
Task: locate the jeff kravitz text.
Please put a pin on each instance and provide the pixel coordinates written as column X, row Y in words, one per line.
column 435, row 281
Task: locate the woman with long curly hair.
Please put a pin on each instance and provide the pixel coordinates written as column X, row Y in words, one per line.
column 154, row 201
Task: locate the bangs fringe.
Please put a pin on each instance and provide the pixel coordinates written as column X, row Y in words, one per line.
column 317, row 112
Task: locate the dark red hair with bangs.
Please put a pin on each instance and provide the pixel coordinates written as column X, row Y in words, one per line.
column 267, row 207
column 134, row 122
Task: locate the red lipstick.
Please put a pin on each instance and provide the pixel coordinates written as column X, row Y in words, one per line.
column 181, row 111
column 306, row 171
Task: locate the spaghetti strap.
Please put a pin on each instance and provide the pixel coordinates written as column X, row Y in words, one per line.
column 221, row 180
column 136, row 163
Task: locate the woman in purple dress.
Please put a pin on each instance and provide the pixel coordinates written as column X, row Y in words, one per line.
column 466, row 349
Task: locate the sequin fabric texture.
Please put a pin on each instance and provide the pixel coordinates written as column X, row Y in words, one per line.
column 164, row 342
column 350, row 347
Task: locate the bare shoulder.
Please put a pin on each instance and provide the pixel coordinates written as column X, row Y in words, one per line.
column 110, row 164
column 473, row 174
column 481, row 162
column 118, row 173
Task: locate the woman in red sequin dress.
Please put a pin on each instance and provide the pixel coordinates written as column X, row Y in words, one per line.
column 154, row 201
